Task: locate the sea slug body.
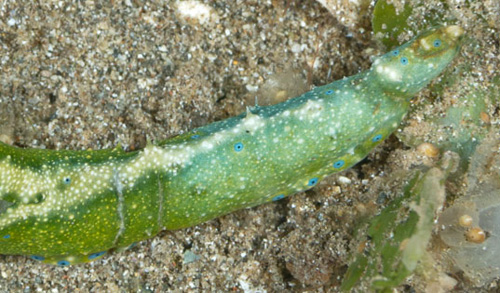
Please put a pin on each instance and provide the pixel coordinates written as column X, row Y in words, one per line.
column 66, row 207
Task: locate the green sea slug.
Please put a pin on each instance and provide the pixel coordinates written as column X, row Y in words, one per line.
column 66, row 207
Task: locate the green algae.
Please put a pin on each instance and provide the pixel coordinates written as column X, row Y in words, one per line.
column 392, row 18
column 389, row 22
column 397, row 238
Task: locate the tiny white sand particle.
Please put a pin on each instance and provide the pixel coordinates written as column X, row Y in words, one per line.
column 344, row 180
column 194, row 10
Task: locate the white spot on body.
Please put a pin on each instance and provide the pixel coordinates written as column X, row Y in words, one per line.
column 253, row 122
column 425, row 44
column 391, row 73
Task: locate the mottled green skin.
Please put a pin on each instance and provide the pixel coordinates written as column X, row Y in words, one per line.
column 65, row 206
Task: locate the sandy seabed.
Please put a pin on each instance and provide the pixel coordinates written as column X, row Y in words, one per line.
column 80, row 75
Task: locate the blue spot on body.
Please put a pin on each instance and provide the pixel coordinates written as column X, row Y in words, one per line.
column 377, row 138
column 404, row 60
column 395, row 53
column 338, row 164
column 96, row 255
column 37, row 257
column 6, row 236
column 67, row 180
column 195, row 136
column 278, row 197
column 313, row 181
column 238, row 147
column 329, row 92
column 437, row 43
column 63, row 263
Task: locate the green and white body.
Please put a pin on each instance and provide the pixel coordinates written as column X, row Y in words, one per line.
column 69, row 207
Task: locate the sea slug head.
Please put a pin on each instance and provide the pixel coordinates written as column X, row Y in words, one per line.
column 407, row 69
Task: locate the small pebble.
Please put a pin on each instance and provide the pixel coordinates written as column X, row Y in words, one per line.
column 485, row 117
column 465, row 221
column 344, row 180
column 475, row 235
column 428, row 150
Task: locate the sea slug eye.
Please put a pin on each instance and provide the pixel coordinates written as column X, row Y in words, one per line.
column 63, row 263
column 377, row 138
column 313, row 181
column 404, row 60
column 437, row 43
column 278, row 197
column 37, row 257
column 395, row 52
column 238, row 147
column 96, row 255
column 329, row 92
column 6, row 236
column 338, row 164
column 195, row 136
column 67, row 180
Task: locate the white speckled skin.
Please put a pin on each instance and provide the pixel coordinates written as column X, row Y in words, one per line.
column 68, row 207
